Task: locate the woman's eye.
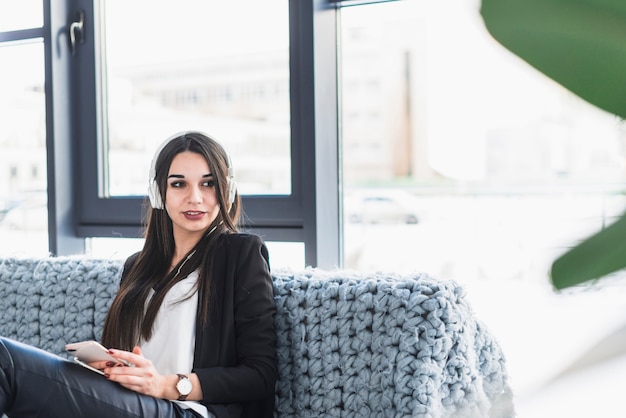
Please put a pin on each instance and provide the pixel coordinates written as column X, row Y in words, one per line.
column 209, row 183
column 176, row 184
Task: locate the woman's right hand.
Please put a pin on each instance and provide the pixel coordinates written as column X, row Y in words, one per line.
column 142, row 377
column 145, row 379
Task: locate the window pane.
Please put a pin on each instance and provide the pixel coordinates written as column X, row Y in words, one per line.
column 23, row 198
column 20, row 14
column 445, row 130
column 462, row 161
column 205, row 65
column 288, row 255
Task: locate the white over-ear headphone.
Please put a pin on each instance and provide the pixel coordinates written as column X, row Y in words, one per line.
column 232, row 185
column 153, row 188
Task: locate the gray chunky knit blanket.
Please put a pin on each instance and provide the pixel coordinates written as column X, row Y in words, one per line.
column 349, row 344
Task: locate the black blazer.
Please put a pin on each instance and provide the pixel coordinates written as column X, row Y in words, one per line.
column 235, row 353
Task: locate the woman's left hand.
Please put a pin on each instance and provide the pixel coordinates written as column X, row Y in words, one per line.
column 142, row 377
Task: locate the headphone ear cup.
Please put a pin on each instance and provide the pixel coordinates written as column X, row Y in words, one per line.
column 232, row 190
column 155, row 196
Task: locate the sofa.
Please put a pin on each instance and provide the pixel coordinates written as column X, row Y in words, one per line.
column 350, row 344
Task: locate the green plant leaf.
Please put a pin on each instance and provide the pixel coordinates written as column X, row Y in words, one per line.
column 581, row 44
column 597, row 256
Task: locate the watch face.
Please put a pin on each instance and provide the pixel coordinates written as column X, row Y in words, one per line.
column 184, row 386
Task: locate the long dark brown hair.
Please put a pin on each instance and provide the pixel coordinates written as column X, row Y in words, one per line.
column 129, row 319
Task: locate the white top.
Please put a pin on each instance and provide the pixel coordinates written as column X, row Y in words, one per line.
column 171, row 348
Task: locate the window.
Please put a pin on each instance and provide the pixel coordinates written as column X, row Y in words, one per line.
column 23, row 198
column 461, row 161
column 20, row 15
column 283, row 121
column 202, row 70
column 199, row 68
column 462, row 123
column 196, row 67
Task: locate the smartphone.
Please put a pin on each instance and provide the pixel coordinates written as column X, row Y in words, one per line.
column 86, row 352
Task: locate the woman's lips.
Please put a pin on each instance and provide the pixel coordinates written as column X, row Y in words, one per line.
column 193, row 215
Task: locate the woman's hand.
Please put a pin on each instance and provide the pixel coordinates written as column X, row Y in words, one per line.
column 141, row 377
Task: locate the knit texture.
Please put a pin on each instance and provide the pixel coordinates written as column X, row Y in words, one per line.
column 350, row 344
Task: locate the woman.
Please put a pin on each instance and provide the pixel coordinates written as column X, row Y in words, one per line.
column 194, row 314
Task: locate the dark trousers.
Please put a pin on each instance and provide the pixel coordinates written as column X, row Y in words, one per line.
column 34, row 383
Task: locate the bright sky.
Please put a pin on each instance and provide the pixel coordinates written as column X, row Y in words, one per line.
column 140, row 31
column 20, row 14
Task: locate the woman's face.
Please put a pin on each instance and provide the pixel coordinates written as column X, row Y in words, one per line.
column 190, row 198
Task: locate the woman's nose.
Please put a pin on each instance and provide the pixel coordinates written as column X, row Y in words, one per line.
column 195, row 194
